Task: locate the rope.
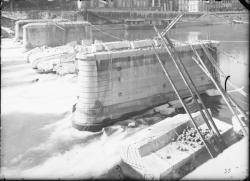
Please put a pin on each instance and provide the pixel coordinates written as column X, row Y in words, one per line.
column 56, row 24
column 242, row 92
column 230, row 56
column 109, row 34
column 224, row 76
column 222, row 73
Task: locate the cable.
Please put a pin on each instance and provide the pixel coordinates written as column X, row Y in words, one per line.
column 224, row 76
column 242, row 92
column 109, row 34
column 222, row 73
column 230, row 56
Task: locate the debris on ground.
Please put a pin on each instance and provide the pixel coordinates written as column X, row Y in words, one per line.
column 212, row 92
column 165, row 109
column 131, row 124
column 6, row 32
column 190, row 136
column 35, row 80
column 236, row 125
column 175, row 103
column 60, row 60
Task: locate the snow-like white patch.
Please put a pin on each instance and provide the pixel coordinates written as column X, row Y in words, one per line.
column 232, row 164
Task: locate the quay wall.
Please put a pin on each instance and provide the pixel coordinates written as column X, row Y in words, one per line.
column 19, row 25
column 55, row 34
column 111, row 14
column 128, row 13
column 124, row 14
column 116, row 83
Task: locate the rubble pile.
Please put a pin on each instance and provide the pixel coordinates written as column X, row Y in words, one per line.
column 60, row 60
column 6, row 32
column 190, row 137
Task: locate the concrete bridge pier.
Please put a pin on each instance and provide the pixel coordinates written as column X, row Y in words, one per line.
column 55, row 34
column 19, row 25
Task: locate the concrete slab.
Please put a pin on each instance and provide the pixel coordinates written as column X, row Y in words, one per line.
column 153, row 153
column 20, row 23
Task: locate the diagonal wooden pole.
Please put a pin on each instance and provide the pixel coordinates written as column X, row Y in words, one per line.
column 183, row 72
column 220, row 89
column 175, row 20
column 182, row 102
column 212, row 61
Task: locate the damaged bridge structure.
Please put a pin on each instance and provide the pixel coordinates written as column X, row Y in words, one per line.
column 119, row 78
column 122, row 78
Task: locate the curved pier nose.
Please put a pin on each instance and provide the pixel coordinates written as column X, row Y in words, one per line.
column 89, row 109
column 122, row 78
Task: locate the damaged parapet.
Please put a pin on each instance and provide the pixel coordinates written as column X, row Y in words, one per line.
column 118, row 78
column 60, row 59
column 19, row 25
column 159, row 152
column 55, row 34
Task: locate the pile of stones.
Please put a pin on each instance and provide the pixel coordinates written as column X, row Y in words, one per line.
column 190, row 137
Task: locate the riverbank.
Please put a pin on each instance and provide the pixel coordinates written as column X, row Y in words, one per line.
column 101, row 15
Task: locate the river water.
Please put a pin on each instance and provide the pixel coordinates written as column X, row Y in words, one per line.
column 37, row 139
column 233, row 44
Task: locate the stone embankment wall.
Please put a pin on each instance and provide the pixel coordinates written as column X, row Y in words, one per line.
column 123, row 14
column 55, row 34
column 125, row 77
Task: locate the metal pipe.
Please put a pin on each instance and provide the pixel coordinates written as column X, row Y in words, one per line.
column 182, row 102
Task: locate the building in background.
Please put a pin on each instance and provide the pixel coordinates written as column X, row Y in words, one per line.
column 223, row 5
column 209, row 5
column 182, row 5
column 39, row 5
column 157, row 5
column 193, row 5
column 163, row 5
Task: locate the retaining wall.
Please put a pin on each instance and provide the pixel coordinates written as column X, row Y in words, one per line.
column 55, row 34
column 117, row 82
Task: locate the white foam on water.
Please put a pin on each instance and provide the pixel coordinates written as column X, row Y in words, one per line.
column 38, row 140
column 69, row 153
